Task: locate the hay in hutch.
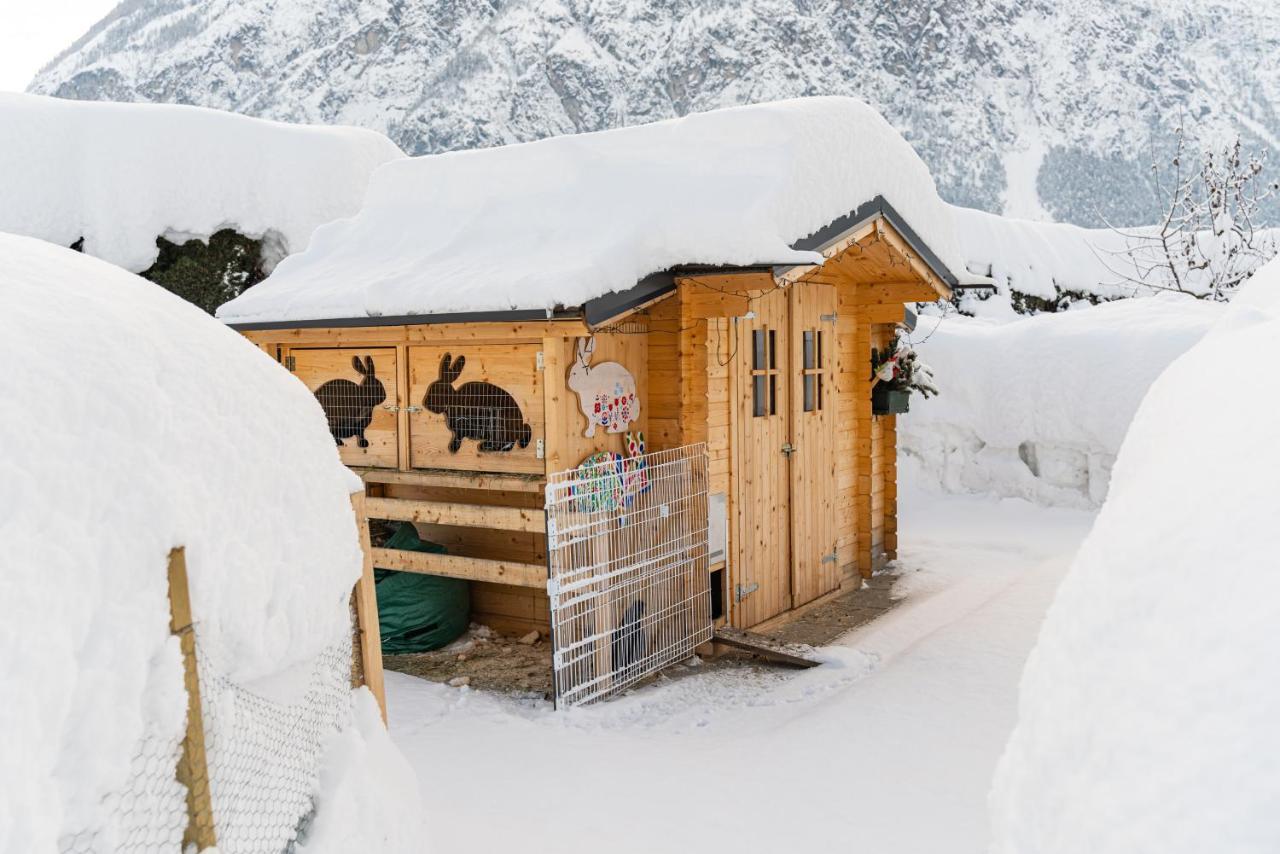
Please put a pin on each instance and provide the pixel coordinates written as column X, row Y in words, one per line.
column 493, row 317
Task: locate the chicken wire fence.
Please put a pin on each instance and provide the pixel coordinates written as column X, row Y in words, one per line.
column 629, row 580
column 264, row 752
column 149, row 813
column 263, row 755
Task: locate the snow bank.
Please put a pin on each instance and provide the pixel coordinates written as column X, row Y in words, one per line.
column 1064, row 263
column 1148, row 707
column 121, row 175
column 564, row 220
column 134, row 423
column 1041, row 259
column 1037, row 408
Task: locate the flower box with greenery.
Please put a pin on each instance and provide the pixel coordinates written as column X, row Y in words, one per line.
column 896, row 371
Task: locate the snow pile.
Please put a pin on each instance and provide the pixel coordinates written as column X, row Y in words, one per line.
column 1148, row 707
column 133, row 423
column 1037, row 408
column 121, row 175
column 564, row 220
column 1042, row 259
column 1064, row 264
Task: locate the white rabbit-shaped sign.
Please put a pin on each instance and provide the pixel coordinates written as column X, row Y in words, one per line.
column 606, row 392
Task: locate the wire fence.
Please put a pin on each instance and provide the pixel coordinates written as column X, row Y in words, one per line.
column 263, row 753
column 149, row 813
column 628, row 569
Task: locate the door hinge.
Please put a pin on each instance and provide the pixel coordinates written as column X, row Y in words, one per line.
column 830, row 557
column 391, row 407
column 788, row 449
column 290, row 363
column 541, row 361
column 828, row 318
column 740, row 592
column 540, row 449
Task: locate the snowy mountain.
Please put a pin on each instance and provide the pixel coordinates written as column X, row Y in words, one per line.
column 1032, row 108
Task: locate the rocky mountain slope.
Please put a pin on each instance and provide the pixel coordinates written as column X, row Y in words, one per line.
column 1032, row 108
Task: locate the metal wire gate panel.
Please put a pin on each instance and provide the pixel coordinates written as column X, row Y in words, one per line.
column 629, row 581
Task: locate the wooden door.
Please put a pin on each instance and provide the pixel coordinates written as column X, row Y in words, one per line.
column 814, row 569
column 358, row 392
column 478, row 407
column 761, row 575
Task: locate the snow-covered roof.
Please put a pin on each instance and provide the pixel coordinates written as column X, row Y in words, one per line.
column 134, row 423
column 566, row 220
column 120, row 175
column 1042, row 258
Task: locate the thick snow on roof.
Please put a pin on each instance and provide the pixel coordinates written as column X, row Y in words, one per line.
column 133, row 423
column 1046, row 259
column 120, row 175
column 1042, row 258
column 1148, row 708
column 564, row 220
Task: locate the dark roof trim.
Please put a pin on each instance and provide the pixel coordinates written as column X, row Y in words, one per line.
column 612, row 305
column 503, row 316
column 878, row 206
column 654, row 286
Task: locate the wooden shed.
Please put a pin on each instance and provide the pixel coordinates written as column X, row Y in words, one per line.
column 455, row 418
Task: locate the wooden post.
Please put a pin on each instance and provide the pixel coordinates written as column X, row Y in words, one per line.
column 193, row 771
column 366, row 599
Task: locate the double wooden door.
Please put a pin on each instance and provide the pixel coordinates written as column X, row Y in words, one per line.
column 785, row 454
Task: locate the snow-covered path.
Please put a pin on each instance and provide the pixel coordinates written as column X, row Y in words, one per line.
column 889, row 747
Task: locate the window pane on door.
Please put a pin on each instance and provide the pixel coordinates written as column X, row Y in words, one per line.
column 759, row 400
column 758, row 357
column 809, row 354
column 810, row 392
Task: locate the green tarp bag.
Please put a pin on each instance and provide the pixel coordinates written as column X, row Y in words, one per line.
column 419, row 613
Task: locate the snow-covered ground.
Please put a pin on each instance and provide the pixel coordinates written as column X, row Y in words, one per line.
column 890, row 746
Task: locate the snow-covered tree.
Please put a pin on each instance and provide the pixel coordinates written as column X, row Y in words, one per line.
column 1207, row 241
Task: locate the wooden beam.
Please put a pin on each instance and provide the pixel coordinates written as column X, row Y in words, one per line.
column 707, row 303
column 366, row 599
column 891, row 236
column 767, row 648
column 898, row 292
column 193, row 768
column 742, row 282
column 456, row 479
column 470, row 568
column 454, row 513
column 420, row 333
column 556, row 397
column 894, row 312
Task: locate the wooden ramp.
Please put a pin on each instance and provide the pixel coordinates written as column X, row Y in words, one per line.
column 793, row 654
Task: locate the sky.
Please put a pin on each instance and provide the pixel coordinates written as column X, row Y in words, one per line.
column 32, row 32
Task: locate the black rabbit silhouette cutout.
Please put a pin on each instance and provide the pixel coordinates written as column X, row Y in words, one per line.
column 476, row 410
column 349, row 406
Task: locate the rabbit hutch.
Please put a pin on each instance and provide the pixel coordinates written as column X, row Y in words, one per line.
column 464, row 402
